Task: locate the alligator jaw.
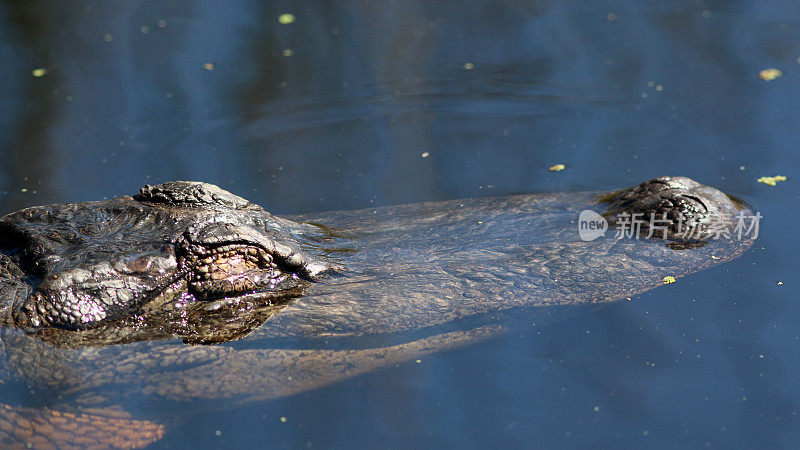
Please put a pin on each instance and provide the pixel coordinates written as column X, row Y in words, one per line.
column 81, row 296
column 13, row 289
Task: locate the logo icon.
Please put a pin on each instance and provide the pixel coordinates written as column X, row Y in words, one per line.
column 591, row 225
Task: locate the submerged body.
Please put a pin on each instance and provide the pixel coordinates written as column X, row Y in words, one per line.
column 365, row 290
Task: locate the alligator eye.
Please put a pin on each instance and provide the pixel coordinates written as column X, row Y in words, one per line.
column 231, row 270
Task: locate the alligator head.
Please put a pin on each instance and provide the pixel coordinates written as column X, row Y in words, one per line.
column 78, row 265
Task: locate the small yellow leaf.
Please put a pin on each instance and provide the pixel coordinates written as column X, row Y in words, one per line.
column 771, row 181
column 770, row 74
column 286, row 19
column 557, row 168
column 668, row 280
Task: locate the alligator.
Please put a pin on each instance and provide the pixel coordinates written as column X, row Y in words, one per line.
column 98, row 295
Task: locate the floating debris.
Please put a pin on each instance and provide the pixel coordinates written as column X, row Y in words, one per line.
column 557, row 168
column 770, row 74
column 771, row 181
column 40, row 72
column 208, row 66
column 668, row 280
column 286, row 19
column 469, row 66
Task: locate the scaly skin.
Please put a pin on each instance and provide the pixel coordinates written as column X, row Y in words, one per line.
column 95, row 262
column 368, row 289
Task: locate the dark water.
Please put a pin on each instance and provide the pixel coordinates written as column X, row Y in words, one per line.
column 357, row 104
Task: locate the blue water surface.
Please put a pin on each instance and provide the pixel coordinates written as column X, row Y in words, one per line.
column 353, row 104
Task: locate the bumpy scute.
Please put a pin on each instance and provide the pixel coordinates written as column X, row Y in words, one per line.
column 677, row 206
column 193, row 194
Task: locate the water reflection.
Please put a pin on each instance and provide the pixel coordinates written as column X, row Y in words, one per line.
column 336, row 111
